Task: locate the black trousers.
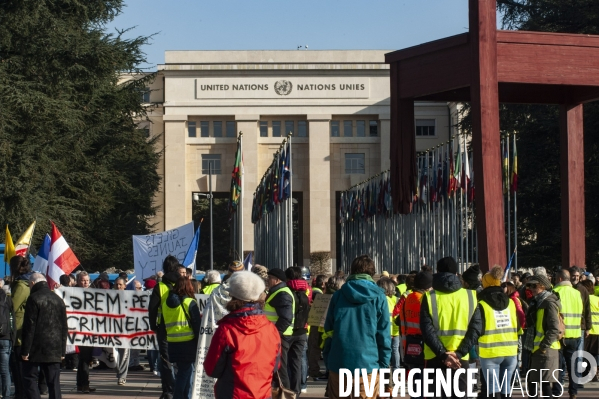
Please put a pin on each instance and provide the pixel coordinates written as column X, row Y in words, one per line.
column 16, row 365
column 314, row 340
column 30, row 376
column 462, row 380
column 167, row 377
column 285, row 344
column 297, row 346
column 85, row 357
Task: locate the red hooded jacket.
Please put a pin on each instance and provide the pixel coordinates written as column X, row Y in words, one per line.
column 243, row 355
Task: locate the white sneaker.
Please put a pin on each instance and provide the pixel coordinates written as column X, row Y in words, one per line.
column 304, row 390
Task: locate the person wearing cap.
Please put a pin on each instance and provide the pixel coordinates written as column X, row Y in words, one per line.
column 262, row 272
column 450, row 322
column 213, row 280
column 498, row 342
column 279, row 308
column 356, row 329
column 246, row 347
column 471, row 278
column 408, row 320
column 572, row 311
column 522, row 290
column 541, row 336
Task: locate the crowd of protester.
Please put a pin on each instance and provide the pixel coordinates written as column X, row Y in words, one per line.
column 520, row 329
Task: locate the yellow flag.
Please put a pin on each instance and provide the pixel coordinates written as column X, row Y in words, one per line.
column 9, row 247
column 24, row 241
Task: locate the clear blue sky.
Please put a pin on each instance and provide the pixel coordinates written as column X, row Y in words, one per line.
column 286, row 24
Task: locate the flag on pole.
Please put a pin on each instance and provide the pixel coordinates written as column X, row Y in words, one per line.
column 22, row 245
column 515, row 169
column 190, row 256
column 506, row 169
column 9, row 246
column 247, row 262
column 131, row 284
column 287, row 174
column 458, row 168
column 41, row 260
column 466, row 170
column 61, row 259
column 236, row 177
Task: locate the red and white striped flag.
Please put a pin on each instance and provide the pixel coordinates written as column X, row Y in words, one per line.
column 61, row 259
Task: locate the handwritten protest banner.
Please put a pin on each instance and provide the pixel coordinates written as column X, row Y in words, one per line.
column 150, row 250
column 108, row 318
column 214, row 310
column 318, row 311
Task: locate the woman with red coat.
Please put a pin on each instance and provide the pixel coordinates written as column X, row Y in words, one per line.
column 246, row 347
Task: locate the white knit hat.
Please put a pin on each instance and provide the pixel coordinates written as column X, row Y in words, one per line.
column 246, row 286
column 213, row 276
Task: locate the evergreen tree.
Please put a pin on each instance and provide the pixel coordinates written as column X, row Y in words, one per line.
column 70, row 149
column 539, row 213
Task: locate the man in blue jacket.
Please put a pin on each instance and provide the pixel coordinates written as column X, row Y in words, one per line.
column 356, row 330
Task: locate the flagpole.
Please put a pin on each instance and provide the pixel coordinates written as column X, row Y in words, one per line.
column 507, row 180
column 290, row 245
column 515, row 211
column 240, row 203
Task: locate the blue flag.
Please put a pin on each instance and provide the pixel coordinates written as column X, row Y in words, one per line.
column 41, row 261
column 247, row 262
column 190, row 257
column 131, row 284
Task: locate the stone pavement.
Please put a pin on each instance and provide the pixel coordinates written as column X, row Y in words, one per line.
column 145, row 385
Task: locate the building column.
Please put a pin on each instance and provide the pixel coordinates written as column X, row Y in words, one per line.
column 572, row 185
column 484, row 100
column 176, row 203
column 385, row 135
column 248, row 125
column 319, row 173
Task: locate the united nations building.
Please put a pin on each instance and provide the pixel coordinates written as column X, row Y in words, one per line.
column 336, row 104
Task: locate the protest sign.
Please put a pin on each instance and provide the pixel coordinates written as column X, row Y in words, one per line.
column 318, row 311
column 150, row 250
column 108, row 318
column 214, row 310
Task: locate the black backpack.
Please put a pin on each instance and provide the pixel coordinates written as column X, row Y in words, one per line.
column 302, row 309
column 5, row 316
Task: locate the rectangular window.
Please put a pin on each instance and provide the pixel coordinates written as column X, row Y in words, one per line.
column 145, row 95
column 204, row 129
column 276, row 128
column 146, row 132
column 191, row 129
column 354, row 164
column 218, row 128
column 263, row 129
column 211, row 159
column 302, row 129
column 289, row 127
column 425, row 127
column 231, row 129
column 374, row 128
column 334, row 128
column 361, row 128
column 348, row 129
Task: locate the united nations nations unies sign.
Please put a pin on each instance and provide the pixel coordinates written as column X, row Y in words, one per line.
column 282, row 88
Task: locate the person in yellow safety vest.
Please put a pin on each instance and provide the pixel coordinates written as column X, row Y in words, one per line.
column 279, row 308
column 401, row 287
column 572, row 309
column 591, row 343
column 182, row 320
column 498, row 342
column 389, row 288
column 541, row 336
column 450, row 322
column 213, row 280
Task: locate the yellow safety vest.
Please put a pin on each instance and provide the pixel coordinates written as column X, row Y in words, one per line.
column 391, row 302
column 571, row 310
column 402, row 288
column 540, row 333
column 209, row 288
column 164, row 291
column 271, row 312
column 177, row 326
column 449, row 319
column 594, row 300
column 500, row 335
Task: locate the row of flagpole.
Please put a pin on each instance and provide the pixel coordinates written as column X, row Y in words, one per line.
column 236, row 200
column 442, row 221
column 510, row 192
column 272, row 212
